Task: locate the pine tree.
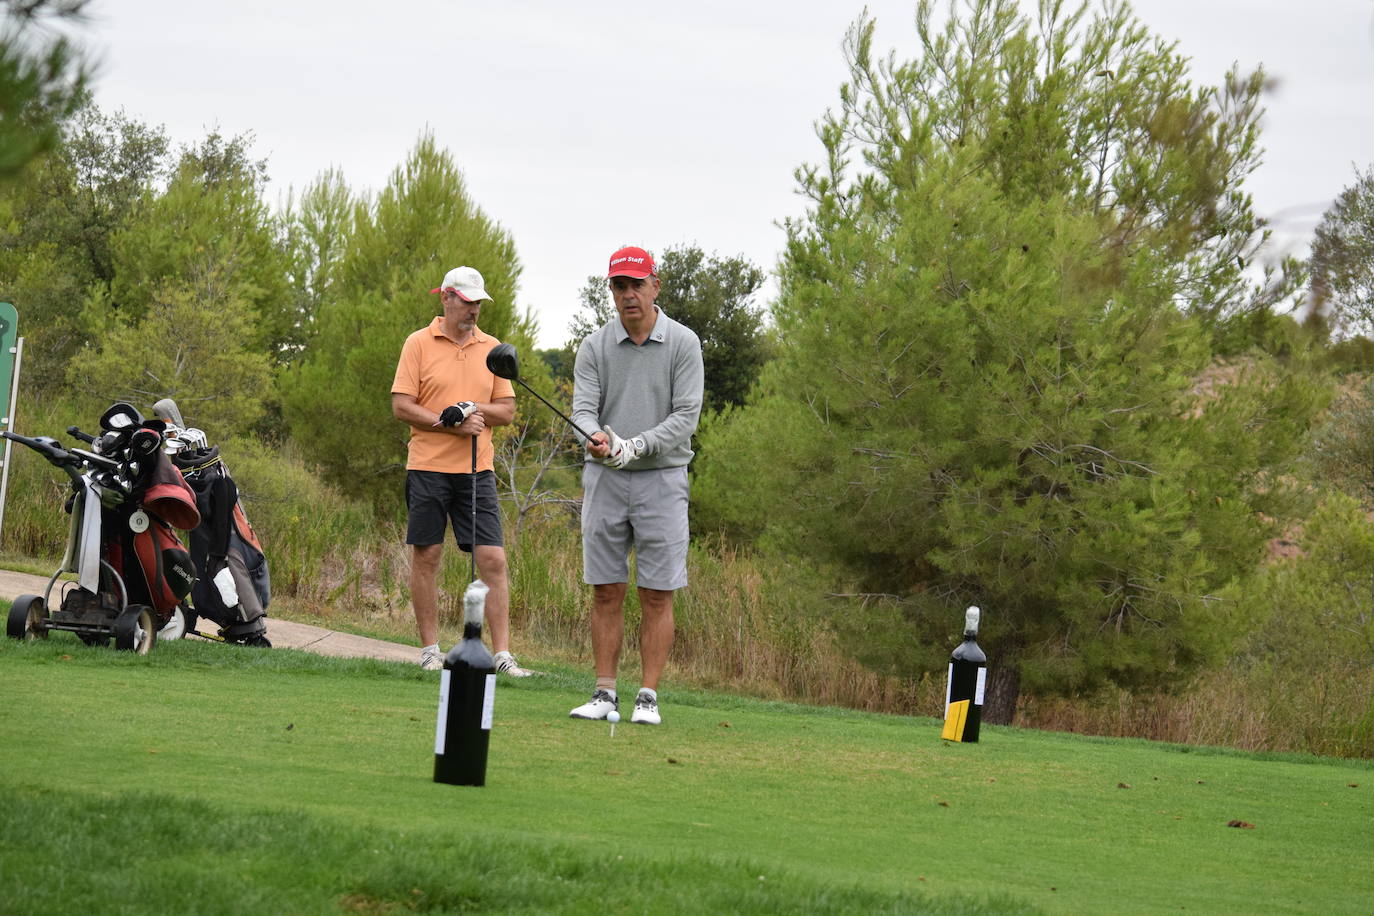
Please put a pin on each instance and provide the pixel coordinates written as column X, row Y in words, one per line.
column 192, row 343
column 318, row 227
column 992, row 322
column 1342, row 259
column 43, row 76
column 211, row 219
column 57, row 226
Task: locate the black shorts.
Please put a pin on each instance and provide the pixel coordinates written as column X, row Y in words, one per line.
column 435, row 498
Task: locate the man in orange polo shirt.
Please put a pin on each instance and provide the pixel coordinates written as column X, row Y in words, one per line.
column 445, row 392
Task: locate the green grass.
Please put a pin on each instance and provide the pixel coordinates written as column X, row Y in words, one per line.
column 204, row 778
column 30, row 565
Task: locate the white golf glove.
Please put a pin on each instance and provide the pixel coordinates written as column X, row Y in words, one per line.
column 623, row 451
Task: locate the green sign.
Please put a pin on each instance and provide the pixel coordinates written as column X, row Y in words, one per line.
column 9, row 339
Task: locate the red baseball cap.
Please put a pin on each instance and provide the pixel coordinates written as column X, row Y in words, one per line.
column 632, row 262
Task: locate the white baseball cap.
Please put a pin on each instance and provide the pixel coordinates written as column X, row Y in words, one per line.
column 464, row 281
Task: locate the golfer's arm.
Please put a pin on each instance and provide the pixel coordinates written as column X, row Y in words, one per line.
column 586, row 398
column 405, row 408
column 689, row 380
column 499, row 412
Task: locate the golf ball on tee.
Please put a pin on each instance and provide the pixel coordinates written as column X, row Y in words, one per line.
column 612, row 717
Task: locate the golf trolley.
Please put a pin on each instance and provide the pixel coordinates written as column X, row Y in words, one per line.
column 131, row 569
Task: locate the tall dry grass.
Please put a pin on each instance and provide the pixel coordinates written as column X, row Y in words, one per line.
column 1330, row 713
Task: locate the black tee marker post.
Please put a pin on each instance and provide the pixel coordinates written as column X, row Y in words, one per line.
column 467, row 694
column 968, row 670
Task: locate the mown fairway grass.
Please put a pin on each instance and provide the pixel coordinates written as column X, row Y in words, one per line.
column 204, row 778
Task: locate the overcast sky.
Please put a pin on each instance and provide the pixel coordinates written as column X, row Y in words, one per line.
column 581, row 126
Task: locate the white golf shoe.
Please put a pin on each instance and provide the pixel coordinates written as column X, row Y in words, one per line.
column 432, row 658
column 506, row 664
column 646, row 709
column 601, row 703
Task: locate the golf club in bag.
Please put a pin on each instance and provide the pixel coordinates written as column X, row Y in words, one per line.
column 233, row 588
column 505, row 363
column 131, row 568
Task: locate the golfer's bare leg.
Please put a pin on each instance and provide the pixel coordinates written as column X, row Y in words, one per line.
column 655, row 633
column 424, row 589
column 491, row 567
column 608, row 627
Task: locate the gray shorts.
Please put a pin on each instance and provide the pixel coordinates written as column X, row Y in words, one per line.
column 646, row 510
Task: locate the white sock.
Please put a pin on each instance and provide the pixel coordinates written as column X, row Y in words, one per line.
column 435, row 647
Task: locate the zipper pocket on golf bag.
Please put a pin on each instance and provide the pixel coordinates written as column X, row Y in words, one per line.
column 161, row 573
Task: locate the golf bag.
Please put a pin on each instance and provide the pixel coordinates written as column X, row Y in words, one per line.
column 232, row 586
column 131, row 569
column 155, row 567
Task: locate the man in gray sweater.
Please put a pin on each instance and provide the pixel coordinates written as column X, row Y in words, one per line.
column 638, row 381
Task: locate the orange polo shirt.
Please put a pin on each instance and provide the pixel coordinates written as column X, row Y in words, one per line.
column 439, row 372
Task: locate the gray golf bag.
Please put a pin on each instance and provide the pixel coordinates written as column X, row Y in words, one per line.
column 232, row 588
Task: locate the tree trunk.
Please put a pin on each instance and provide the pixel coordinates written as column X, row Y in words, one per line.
column 1003, row 689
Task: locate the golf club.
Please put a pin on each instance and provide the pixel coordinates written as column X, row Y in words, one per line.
column 167, row 410
column 503, row 362
column 472, row 563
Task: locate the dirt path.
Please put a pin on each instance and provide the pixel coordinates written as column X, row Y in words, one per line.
column 284, row 634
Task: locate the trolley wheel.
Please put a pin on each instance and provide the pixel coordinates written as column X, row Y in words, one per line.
column 134, row 630
column 28, row 618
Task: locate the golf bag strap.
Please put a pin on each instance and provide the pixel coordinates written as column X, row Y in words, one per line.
column 223, row 495
column 132, row 564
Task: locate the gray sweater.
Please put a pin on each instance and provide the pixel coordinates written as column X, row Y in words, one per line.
column 652, row 390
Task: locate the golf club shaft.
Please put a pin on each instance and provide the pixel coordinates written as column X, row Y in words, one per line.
column 472, row 565
column 568, row 420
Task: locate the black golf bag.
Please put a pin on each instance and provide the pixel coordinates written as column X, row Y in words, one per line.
column 232, row 586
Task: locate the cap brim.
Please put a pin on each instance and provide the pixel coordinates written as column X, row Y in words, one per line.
column 466, row 295
column 632, row 274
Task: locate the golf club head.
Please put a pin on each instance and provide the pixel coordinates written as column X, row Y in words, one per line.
column 121, row 416
column 112, row 442
column 503, row 362
column 167, row 410
column 144, row 441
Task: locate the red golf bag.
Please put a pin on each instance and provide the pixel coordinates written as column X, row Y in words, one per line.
column 150, row 558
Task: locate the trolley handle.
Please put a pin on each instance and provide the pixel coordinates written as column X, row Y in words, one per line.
column 46, row 446
column 83, row 436
column 51, row 450
column 73, row 460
